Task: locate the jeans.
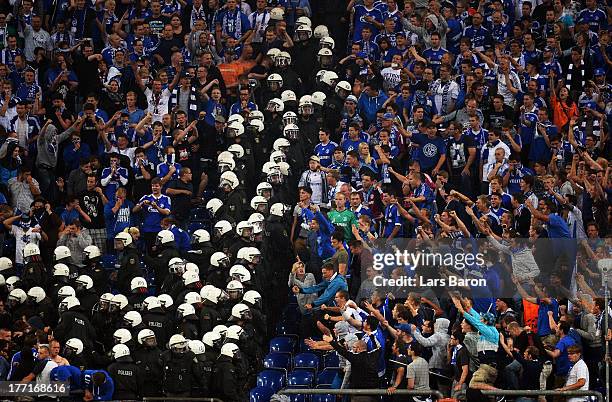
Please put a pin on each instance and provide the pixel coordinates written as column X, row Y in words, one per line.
column 46, row 177
column 512, row 372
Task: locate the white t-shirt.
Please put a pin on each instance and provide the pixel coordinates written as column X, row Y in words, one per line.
column 578, row 371
column 158, row 104
column 21, row 239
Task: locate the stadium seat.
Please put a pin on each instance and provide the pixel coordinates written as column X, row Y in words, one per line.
column 301, row 378
column 274, row 379
column 283, row 328
column 327, row 376
column 284, row 344
column 199, row 214
column 109, row 261
column 331, row 360
column 298, row 397
column 260, row 394
column 306, row 361
column 278, row 360
column 323, row 398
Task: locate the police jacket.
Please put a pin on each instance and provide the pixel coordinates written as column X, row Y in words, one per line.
column 127, row 377
column 178, row 372
column 225, row 383
column 74, row 324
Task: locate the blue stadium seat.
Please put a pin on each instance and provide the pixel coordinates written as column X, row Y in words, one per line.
column 261, row 394
column 278, row 360
column 284, row 344
column 301, row 378
column 327, row 376
column 109, row 261
column 306, row 361
column 199, row 214
column 193, row 226
column 274, row 379
column 283, row 328
column 331, row 360
column 298, row 397
column 323, row 398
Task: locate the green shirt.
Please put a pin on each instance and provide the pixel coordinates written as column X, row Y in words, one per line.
column 345, row 220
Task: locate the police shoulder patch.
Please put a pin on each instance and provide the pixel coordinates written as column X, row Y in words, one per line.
column 132, row 260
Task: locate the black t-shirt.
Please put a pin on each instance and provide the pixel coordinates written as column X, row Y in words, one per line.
column 181, row 204
column 39, row 366
column 156, row 24
column 92, row 205
column 89, row 133
column 459, row 359
column 457, row 151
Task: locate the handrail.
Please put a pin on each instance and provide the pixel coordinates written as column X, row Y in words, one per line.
column 373, row 391
column 178, row 399
column 528, row 392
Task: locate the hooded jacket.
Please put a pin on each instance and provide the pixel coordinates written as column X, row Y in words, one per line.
column 48, row 144
column 440, row 26
column 437, row 342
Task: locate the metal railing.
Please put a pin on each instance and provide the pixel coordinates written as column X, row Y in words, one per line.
column 374, row 392
column 179, row 399
column 548, row 392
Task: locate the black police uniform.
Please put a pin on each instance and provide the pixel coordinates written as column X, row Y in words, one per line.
column 129, row 261
column 200, row 254
column 127, row 378
column 159, row 261
column 74, row 324
column 34, row 274
column 149, row 361
column 204, row 370
column 225, row 381
column 158, row 322
column 178, row 373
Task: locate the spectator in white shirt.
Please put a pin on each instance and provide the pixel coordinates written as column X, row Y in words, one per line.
column 578, row 377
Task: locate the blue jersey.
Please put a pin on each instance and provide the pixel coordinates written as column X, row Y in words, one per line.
column 102, row 393
column 430, row 150
column 370, row 48
column 539, row 150
column 514, row 182
column 392, row 220
column 481, row 37
column 28, row 91
column 359, row 22
column 164, row 168
column 70, row 374
column 325, row 152
column 152, row 217
column 596, row 19
column 546, row 68
column 181, row 238
column 237, row 109
column 454, row 35
column 233, row 23
column 434, row 58
column 528, row 120
column 499, row 33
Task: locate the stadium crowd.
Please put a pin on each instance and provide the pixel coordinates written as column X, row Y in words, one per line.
column 196, row 196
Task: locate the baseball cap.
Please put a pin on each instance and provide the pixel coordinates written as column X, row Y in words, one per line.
column 599, row 71
column 548, row 49
column 404, row 328
column 219, row 119
column 314, row 158
column 351, row 98
column 388, row 116
column 362, row 55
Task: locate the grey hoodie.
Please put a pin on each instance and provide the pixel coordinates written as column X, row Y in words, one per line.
column 48, row 145
column 439, row 24
column 437, row 342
